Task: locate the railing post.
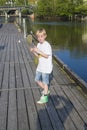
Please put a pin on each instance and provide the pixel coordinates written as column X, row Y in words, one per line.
column 6, row 16
column 24, row 27
column 19, row 13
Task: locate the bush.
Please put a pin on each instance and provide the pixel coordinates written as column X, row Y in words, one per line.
column 27, row 11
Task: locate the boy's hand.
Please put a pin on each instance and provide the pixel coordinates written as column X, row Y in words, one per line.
column 32, row 49
column 35, row 49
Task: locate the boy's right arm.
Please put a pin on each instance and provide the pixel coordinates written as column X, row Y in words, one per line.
column 32, row 50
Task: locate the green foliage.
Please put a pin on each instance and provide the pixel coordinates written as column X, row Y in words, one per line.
column 17, row 2
column 81, row 9
column 47, row 8
column 20, row 2
column 2, row 2
column 44, row 8
column 64, row 7
column 60, row 7
column 27, row 11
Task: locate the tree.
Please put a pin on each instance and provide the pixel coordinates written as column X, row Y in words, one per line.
column 81, row 9
column 26, row 11
column 2, row 2
column 44, row 8
column 21, row 2
column 17, row 2
column 59, row 7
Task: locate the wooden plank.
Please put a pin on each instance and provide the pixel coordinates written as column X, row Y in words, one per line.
column 12, row 109
column 8, row 51
column 19, row 53
column 4, row 99
column 4, row 84
column 1, row 74
column 21, row 103
column 77, row 105
column 32, row 111
column 23, row 121
column 1, row 45
column 4, row 51
column 79, row 95
column 26, row 50
column 15, row 49
column 11, row 49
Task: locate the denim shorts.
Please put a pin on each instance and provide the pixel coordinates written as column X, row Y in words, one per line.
column 43, row 77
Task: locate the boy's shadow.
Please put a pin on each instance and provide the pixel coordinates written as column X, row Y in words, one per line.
column 55, row 113
column 85, row 126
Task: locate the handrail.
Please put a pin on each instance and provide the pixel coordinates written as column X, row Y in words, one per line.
column 79, row 81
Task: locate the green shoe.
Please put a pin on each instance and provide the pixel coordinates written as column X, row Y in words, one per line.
column 47, row 92
column 43, row 99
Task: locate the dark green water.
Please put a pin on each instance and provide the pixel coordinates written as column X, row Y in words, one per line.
column 69, row 42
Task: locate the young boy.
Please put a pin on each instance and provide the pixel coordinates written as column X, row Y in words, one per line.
column 45, row 66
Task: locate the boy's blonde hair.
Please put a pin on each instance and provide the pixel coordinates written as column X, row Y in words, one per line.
column 42, row 31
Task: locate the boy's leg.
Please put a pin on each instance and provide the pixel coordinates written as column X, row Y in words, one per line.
column 45, row 80
column 42, row 80
column 45, row 89
column 43, row 84
column 38, row 79
column 40, row 84
column 43, row 98
column 50, row 79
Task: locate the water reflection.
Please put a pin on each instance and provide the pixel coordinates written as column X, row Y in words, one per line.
column 69, row 35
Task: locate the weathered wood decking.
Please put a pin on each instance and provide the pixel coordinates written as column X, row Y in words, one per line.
column 67, row 106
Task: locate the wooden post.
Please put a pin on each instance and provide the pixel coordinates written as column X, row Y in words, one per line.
column 24, row 27
column 19, row 13
column 6, row 16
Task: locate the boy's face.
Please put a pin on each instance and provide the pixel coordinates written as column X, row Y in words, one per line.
column 41, row 37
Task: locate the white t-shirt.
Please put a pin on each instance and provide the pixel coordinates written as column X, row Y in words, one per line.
column 45, row 64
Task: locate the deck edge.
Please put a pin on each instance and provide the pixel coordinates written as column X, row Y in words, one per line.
column 79, row 81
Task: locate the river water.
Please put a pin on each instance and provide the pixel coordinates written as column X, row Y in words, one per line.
column 69, row 42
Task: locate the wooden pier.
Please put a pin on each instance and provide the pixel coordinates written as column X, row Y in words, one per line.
column 67, row 106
